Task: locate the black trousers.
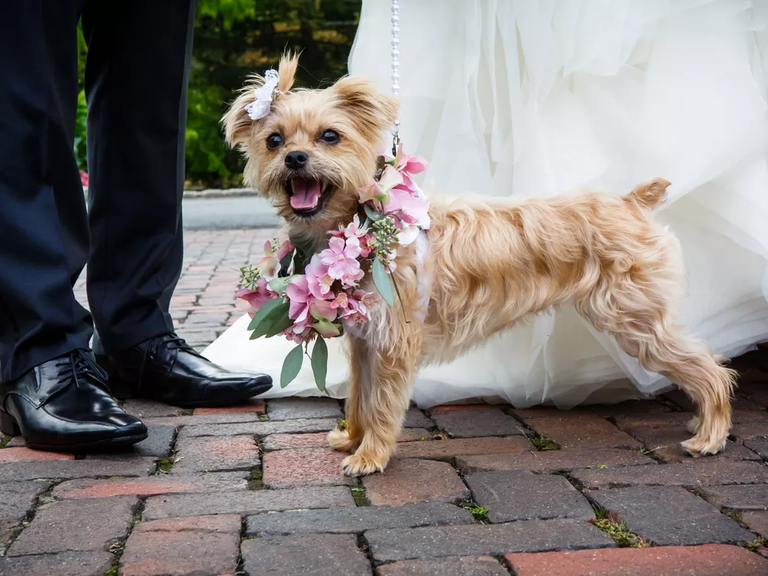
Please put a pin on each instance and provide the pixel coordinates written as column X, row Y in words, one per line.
column 131, row 236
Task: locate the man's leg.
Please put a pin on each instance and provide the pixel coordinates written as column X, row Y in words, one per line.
column 136, row 82
column 63, row 403
column 43, row 226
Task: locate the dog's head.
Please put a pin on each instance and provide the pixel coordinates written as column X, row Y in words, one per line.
column 314, row 149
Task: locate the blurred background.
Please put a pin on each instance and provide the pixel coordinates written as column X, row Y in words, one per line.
column 234, row 38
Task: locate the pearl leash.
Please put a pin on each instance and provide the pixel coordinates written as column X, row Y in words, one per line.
column 395, row 41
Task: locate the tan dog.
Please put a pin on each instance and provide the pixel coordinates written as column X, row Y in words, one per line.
column 493, row 262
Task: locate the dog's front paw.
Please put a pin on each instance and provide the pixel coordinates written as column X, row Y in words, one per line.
column 701, row 446
column 362, row 465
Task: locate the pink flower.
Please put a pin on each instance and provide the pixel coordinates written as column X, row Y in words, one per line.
column 303, row 304
column 380, row 190
column 298, row 298
column 410, row 164
column 274, row 251
column 342, row 300
column 412, row 213
column 318, row 280
column 341, row 259
column 251, row 300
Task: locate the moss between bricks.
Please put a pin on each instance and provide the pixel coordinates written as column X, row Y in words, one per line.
column 255, row 480
column 618, row 531
column 360, row 497
column 756, row 544
column 544, row 443
column 164, row 465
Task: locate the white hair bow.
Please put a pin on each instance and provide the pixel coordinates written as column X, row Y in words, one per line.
column 264, row 94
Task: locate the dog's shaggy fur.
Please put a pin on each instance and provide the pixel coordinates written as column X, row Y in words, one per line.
column 492, row 261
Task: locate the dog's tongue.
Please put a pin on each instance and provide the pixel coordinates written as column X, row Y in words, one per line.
column 306, row 194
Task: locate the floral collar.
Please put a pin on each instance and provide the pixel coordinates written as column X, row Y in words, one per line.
column 310, row 297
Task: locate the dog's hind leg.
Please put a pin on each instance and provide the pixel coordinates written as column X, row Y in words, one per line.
column 376, row 407
column 641, row 320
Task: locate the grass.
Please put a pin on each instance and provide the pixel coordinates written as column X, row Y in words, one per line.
column 255, row 480
column 187, row 411
column 263, row 418
column 342, row 424
column 543, row 443
column 479, row 513
column 360, row 497
column 618, row 531
column 112, row 571
column 4, row 440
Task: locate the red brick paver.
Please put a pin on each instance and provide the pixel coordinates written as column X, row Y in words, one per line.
column 407, row 481
column 709, row 560
column 194, row 545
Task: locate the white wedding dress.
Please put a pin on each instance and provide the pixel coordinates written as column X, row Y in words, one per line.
column 530, row 97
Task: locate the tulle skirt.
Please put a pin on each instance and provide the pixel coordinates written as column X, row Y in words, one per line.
column 533, row 98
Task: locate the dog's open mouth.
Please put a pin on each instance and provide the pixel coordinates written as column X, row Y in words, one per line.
column 307, row 195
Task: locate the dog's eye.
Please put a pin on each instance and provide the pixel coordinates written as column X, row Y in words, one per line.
column 274, row 141
column 330, row 137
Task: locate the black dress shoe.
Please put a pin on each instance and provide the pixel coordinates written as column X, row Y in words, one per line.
column 64, row 405
column 167, row 369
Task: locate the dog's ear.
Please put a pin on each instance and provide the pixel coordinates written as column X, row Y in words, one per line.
column 237, row 122
column 374, row 110
column 287, row 70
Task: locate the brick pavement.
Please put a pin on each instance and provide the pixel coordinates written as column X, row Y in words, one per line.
column 486, row 490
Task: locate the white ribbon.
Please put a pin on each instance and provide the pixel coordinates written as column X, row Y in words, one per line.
column 264, row 94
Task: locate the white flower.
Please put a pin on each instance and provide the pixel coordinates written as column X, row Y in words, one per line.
column 260, row 107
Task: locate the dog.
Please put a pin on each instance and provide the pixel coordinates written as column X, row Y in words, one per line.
column 492, row 263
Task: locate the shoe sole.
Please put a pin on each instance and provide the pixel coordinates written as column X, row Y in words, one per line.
column 122, row 391
column 9, row 427
column 99, row 445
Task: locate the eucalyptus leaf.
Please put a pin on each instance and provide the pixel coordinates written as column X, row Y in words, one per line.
column 320, row 362
column 291, row 366
column 279, row 285
column 278, row 314
column 262, row 312
column 372, row 214
column 382, row 281
column 282, row 323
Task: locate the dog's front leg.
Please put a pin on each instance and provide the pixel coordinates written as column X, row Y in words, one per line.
column 378, row 401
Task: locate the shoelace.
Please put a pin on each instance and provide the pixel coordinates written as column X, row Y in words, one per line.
column 175, row 342
column 78, row 365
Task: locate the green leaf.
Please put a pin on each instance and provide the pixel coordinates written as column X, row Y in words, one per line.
column 320, row 362
column 278, row 314
column 372, row 214
column 279, row 285
column 262, row 312
column 282, row 323
column 291, row 366
column 383, row 282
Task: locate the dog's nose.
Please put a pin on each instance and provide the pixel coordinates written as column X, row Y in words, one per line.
column 296, row 160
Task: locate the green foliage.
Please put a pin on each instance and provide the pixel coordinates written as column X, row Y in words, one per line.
column 233, row 39
column 543, row 443
column 291, row 366
column 382, row 281
column 80, row 128
column 479, row 513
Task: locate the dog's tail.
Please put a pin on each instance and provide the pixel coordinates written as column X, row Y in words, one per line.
column 649, row 194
